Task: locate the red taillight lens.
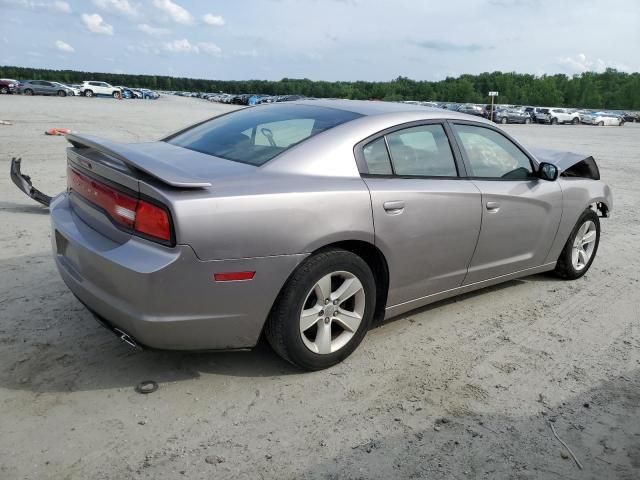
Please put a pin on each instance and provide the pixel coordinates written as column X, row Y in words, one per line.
column 153, row 221
column 130, row 212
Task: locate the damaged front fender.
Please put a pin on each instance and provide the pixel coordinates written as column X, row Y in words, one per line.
column 569, row 164
column 23, row 182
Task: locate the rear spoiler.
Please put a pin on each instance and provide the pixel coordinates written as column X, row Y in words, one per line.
column 165, row 172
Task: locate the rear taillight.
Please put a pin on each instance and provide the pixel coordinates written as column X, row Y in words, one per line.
column 132, row 213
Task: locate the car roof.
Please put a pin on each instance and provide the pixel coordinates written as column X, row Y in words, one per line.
column 366, row 107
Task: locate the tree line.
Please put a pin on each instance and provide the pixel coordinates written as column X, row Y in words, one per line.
column 610, row 89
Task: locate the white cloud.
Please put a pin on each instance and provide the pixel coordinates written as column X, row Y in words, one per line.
column 210, row 48
column 175, row 12
column 64, row 47
column 56, row 6
column 121, row 7
column 180, row 46
column 582, row 63
column 62, row 7
column 213, row 20
column 149, row 30
column 96, row 24
column 184, row 46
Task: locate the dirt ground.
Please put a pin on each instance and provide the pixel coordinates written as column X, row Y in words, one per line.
column 466, row 388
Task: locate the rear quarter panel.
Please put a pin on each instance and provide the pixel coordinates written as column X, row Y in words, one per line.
column 263, row 214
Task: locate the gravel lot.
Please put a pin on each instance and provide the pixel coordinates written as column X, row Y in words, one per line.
column 465, row 388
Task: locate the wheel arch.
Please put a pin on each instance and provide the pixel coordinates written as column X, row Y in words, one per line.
column 374, row 258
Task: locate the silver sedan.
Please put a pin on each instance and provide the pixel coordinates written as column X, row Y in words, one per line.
column 309, row 220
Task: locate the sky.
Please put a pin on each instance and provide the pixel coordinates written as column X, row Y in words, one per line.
column 373, row 40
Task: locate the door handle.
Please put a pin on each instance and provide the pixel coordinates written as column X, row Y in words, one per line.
column 394, row 207
column 493, row 206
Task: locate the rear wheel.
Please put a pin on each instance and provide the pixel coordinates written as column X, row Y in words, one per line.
column 527, row 121
column 601, row 124
column 116, row 95
column 323, row 311
column 62, row 93
column 28, row 92
column 88, row 93
column 581, row 247
column 4, row 90
column 503, row 120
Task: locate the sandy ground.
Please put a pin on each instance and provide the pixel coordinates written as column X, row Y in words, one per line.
column 463, row 389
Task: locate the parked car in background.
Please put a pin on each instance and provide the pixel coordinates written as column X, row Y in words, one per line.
column 8, row 85
column 632, row 117
column 603, row 119
column 555, row 116
column 508, row 115
column 476, row 110
column 74, row 88
column 43, row 87
column 92, row 88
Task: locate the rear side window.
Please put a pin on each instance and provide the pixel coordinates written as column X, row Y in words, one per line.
column 422, row 151
column 256, row 135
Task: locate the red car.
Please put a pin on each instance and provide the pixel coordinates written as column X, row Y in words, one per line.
column 8, row 86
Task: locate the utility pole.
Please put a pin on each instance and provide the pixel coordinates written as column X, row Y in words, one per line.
column 492, row 95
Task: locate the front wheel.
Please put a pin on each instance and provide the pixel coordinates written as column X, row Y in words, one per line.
column 503, row 120
column 554, row 121
column 581, row 247
column 4, row 90
column 527, row 121
column 575, row 121
column 88, row 93
column 62, row 93
column 601, row 124
column 324, row 310
column 28, row 92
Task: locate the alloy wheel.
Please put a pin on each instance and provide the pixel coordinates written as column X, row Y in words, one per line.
column 332, row 312
column 583, row 245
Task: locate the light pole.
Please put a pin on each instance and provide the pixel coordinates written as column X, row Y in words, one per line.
column 492, row 95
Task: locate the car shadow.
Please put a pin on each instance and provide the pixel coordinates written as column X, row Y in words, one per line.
column 23, row 208
column 49, row 342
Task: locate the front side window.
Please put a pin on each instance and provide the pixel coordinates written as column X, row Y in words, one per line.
column 492, row 155
column 422, row 151
column 256, row 135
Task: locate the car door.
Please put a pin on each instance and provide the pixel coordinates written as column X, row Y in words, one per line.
column 48, row 88
column 521, row 212
column 426, row 214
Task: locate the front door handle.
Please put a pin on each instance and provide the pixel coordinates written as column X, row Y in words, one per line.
column 394, row 207
column 493, row 206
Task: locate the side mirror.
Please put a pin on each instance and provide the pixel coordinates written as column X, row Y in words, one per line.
column 548, row 171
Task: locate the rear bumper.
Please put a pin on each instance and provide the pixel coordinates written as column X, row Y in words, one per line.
column 162, row 297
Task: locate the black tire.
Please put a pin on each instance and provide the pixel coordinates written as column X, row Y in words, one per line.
column 554, row 121
column 62, row 93
column 527, row 121
column 503, row 120
column 564, row 267
column 28, row 92
column 601, row 124
column 116, row 95
column 88, row 93
column 575, row 121
column 282, row 329
column 4, row 90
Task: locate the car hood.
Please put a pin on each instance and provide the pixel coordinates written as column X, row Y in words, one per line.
column 567, row 160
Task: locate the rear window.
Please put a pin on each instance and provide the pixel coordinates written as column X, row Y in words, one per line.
column 256, row 135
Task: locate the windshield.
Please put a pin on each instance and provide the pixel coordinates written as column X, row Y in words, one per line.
column 256, row 135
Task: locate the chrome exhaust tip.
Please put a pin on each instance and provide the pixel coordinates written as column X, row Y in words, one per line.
column 126, row 338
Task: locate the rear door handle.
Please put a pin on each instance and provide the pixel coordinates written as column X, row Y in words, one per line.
column 493, row 206
column 394, row 207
